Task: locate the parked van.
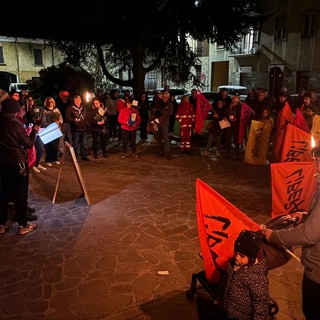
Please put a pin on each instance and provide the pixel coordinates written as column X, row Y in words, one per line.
column 236, row 90
column 18, row 86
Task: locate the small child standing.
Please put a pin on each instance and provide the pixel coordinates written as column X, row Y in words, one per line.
column 245, row 283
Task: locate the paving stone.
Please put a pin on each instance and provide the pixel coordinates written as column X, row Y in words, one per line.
column 101, row 261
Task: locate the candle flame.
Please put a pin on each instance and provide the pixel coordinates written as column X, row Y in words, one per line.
column 313, row 142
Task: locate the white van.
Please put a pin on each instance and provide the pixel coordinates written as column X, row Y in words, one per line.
column 18, row 86
column 236, row 90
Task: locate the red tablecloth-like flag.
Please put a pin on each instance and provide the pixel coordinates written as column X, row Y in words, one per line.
column 219, row 224
column 292, row 186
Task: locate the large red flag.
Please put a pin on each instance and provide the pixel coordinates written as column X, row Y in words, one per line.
column 301, row 122
column 286, row 117
column 244, row 120
column 296, row 146
column 292, row 186
column 219, row 224
column 203, row 107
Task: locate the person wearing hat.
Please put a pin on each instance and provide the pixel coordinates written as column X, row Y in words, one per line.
column 14, row 171
column 245, row 283
column 306, row 234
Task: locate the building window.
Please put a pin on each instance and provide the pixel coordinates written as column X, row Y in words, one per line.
column 309, row 24
column 199, row 49
column 1, row 55
column 280, row 32
column 198, row 71
column 151, row 80
column 38, row 57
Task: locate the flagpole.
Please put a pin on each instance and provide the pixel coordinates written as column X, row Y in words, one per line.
column 291, row 253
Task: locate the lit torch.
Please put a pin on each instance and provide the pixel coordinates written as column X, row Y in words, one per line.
column 87, row 96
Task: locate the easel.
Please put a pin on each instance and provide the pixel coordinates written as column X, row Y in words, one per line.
column 77, row 171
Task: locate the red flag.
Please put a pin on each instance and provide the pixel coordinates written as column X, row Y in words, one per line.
column 286, row 117
column 219, row 224
column 244, row 120
column 300, row 121
column 296, row 146
column 203, row 107
column 292, row 186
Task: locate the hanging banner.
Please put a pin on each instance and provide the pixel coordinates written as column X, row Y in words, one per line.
column 292, row 187
column 258, row 143
column 296, row 146
column 286, row 116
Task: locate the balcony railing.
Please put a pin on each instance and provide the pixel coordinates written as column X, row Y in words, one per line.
column 245, row 48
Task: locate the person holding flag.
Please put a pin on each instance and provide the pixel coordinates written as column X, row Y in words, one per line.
column 306, row 234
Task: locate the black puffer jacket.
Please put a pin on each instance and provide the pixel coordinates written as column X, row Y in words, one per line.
column 246, row 295
column 14, row 140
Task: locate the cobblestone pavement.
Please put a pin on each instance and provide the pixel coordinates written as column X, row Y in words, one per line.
column 101, row 261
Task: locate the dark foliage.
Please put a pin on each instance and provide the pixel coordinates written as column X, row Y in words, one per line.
column 140, row 36
column 62, row 77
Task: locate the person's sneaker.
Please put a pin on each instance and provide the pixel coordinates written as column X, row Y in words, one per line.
column 31, row 217
column 48, row 164
column 123, row 156
column 35, row 170
column 3, row 228
column 135, row 155
column 28, row 228
column 56, row 162
column 85, row 159
column 218, row 153
column 40, row 167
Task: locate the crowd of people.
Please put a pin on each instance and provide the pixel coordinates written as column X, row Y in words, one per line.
column 245, row 283
column 265, row 108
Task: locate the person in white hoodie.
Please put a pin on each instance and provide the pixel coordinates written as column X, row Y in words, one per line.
column 306, row 234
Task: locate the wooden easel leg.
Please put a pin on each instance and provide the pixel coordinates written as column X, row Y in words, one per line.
column 59, row 175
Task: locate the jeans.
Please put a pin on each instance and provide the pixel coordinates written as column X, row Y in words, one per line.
column 14, row 187
column 67, row 136
column 162, row 136
column 52, row 150
column 80, row 137
column 103, row 139
column 113, row 124
column 39, row 150
column 128, row 135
